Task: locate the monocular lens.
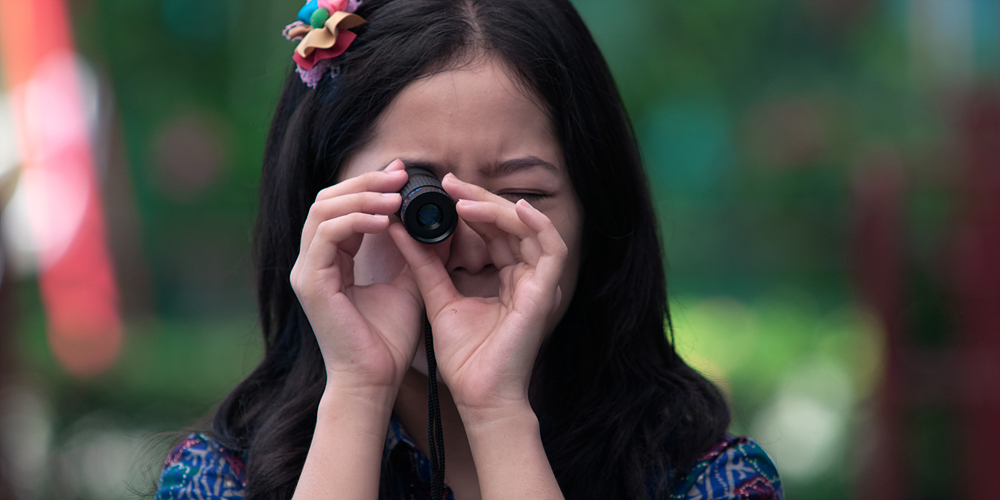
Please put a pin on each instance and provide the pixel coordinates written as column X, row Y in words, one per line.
column 429, row 216
column 427, row 212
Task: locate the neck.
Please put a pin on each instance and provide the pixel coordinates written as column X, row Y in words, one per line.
column 411, row 411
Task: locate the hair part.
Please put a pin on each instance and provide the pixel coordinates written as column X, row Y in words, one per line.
column 621, row 412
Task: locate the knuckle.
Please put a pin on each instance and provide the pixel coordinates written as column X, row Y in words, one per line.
column 562, row 251
column 476, row 188
column 424, row 261
column 372, row 199
column 369, row 177
column 323, row 194
column 360, row 201
column 558, row 248
column 326, row 227
column 314, row 210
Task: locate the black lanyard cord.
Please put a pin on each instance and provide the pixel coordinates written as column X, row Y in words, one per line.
column 435, row 437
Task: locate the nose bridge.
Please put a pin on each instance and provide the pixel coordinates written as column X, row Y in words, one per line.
column 468, row 250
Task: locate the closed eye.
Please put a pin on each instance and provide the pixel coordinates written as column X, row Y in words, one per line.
column 526, row 196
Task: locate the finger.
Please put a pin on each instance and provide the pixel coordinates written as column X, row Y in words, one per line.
column 523, row 247
column 428, row 271
column 524, row 244
column 553, row 249
column 495, row 214
column 497, row 242
column 459, row 189
column 383, row 181
column 322, row 251
column 467, row 191
column 395, row 165
column 364, row 202
column 548, row 236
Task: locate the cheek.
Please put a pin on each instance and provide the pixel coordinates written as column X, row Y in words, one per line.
column 569, row 277
column 570, row 230
column 378, row 260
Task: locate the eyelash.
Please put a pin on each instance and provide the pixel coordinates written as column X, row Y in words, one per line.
column 529, row 197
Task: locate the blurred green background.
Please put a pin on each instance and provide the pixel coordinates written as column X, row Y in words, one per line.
column 761, row 123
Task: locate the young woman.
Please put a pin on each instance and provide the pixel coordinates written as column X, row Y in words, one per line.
column 547, row 305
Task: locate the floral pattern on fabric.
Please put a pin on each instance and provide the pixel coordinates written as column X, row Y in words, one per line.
column 200, row 468
column 735, row 468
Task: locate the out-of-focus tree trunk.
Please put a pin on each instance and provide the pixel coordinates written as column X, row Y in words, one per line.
column 879, row 196
column 8, row 322
column 977, row 259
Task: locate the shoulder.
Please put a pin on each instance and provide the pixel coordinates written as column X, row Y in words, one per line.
column 735, row 468
column 199, row 467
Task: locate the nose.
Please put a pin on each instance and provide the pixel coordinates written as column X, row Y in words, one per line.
column 468, row 251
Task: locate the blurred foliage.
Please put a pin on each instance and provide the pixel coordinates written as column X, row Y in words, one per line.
column 796, row 373
column 170, row 373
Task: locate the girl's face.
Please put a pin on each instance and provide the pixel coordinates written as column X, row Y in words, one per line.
column 478, row 124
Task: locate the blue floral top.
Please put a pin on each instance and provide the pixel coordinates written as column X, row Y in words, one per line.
column 200, row 468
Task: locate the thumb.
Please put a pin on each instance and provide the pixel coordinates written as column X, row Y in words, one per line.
column 428, row 271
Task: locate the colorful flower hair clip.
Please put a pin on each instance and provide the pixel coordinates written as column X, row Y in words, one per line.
column 322, row 27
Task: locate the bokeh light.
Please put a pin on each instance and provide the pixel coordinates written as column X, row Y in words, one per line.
column 189, row 155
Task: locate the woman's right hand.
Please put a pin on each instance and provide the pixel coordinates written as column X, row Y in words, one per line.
column 368, row 334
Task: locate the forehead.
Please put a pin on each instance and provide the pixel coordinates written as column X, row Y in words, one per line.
column 473, row 115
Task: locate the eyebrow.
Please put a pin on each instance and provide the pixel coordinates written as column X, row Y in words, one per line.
column 491, row 170
column 517, row 164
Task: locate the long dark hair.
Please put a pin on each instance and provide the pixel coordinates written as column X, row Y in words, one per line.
column 621, row 412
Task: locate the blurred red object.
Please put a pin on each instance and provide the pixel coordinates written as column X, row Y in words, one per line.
column 977, row 260
column 65, row 209
column 879, row 198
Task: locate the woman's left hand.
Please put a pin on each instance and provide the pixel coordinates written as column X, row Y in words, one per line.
column 486, row 347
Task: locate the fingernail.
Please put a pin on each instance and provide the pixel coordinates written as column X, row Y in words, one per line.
column 466, row 203
column 522, row 200
column 390, row 195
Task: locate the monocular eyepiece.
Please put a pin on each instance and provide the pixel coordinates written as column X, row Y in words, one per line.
column 428, row 213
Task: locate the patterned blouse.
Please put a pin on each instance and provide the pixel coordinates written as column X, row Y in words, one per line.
column 199, row 468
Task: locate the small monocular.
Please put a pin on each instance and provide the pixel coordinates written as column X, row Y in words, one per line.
column 427, row 212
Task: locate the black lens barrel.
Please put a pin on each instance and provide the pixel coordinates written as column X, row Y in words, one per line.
column 425, row 223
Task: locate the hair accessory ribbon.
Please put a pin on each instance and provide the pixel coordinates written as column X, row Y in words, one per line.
column 322, row 25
